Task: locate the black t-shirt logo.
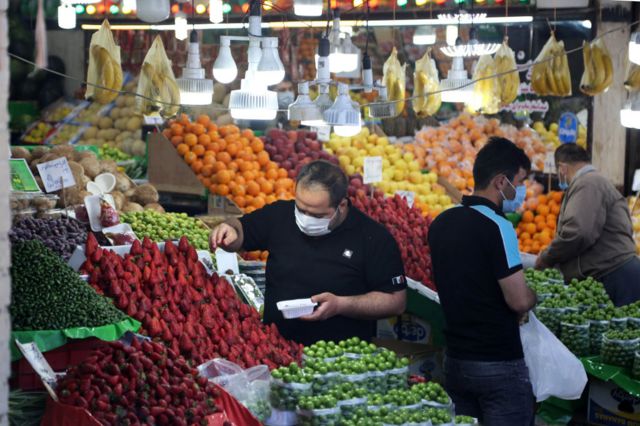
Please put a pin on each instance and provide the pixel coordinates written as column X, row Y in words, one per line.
column 399, row 280
column 347, row 253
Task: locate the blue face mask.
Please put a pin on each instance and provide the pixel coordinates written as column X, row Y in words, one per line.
column 510, row 206
column 562, row 183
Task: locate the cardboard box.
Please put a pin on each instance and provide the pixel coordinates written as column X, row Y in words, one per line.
column 406, row 327
column 610, row 405
column 424, row 360
column 167, row 171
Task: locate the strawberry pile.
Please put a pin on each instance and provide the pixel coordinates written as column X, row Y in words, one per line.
column 144, row 383
column 195, row 314
column 406, row 224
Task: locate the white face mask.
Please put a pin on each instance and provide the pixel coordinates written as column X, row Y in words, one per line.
column 313, row 226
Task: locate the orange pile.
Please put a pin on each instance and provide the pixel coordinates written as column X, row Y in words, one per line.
column 230, row 162
column 538, row 224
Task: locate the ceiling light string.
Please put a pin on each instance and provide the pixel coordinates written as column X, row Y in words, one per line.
column 524, row 67
column 506, row 15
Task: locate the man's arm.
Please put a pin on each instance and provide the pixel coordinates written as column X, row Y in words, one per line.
column 518, row 296
column 584, row 217
column 370, row 306
column 229, row 236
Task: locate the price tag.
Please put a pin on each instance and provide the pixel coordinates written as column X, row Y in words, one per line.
column 56, row 174
column 635, row 187
column 372, row 169
column 324, row 133
column 40, row 365
column 22, row 180
column 227, row 262
column 410, row 196
column 153, row 120
column 550, row 164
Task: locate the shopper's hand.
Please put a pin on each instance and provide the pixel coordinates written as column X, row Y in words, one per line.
column 540, row 263
column 222, row 236
column 330, row 305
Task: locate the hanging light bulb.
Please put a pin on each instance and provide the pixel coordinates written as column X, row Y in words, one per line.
column 66, row 16
column 634, row 48
column 253, row 101
column 342, row 115
column 153, row 11
column 472, row 48
column 225, row 69
column 215, row 11
column 194, row 88
column 323, row 102
column 307, row 7
column 270, row 67
column 456, row 87
column 303, row 109
column 181, row 28
column 349, row 55
column 630, row 113
column 367, row 74
column 424, row 36
column 129, row 4
column 451, row 34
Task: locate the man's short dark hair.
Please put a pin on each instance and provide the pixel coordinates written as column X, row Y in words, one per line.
column 571, row 153
column 498, row 156
column 326, row 175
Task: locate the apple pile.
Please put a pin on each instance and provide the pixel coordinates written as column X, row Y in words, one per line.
column 292, row 149
column 407, row 225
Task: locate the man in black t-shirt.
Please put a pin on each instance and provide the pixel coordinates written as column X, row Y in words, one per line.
column 483, row 293
column 323, row 248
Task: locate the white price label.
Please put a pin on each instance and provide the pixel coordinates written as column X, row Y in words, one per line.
column 324, row 133
column 40, row 365
column 635, row 187
column 550, row 164
column 372, row 169
column 227, row 262
column 410, row 196
column 56, row 174
column 153, row 120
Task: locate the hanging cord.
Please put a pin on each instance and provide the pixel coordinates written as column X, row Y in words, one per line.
column 506, row 15
column 470, row 83
column 366, row 43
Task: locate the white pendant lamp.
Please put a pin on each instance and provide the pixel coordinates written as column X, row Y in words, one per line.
column 342, row 115
column 153, row 11
column 472, row 48
column 424, row 36
column 382, row 108
column 66, row 16
column 634, row 48
column 349, row 55
column 630, row 113
column 195, row 89
column 181, row 28
column 303, row 109
column 307, row 7
column 270, row 67
column 215, row 11
column 253, row 101
column 457, row 86
column 225, row 69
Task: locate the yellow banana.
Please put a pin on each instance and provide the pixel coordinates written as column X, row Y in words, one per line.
column 509, row 82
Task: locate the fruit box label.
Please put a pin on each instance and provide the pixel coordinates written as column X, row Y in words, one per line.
column 372, row 170
column 56, row 174
column 405, row 327
column 610, row 405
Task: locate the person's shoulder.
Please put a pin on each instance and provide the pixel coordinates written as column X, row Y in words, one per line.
column 594, row 180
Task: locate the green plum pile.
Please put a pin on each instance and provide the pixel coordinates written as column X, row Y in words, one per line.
column 431, row 393
column 619, row 347
column 575, row 334
column 465, row 420
column 546, row 276
column 160, row 227
column 394, row 417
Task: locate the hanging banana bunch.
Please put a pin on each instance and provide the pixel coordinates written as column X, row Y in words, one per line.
column 104, row 66
column 425, row 80
column 157, row 84
column 550, row 75
column 509, row 82
column 395, row 80
column 598, row 68
column 486, row 89
column 632, row 82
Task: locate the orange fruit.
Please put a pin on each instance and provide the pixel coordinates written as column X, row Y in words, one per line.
column 249, row 209
column 527, row 216
column 197, row 129
column 176, row 140
column 272, row 165
column 531, row 228
column 214, row 147
column 207, row 170
column 247, row 133
column 182, row 149
column 167, row 133
column 190, row 157
column 204, row 139
column 209, row 159
column 282, row 174
column 272, row 174
column 232, row 149
column 240, row 180
column 177, row 129
column 240, row 201
column 233, row 165
column 556, row 196
column 223, row 176
column 218, row 166
column 266, row 187
column 224, row 157
column 270, row 199
column 257, row 145
column 555, row 210
column 190, row 139
column 543, row 209
column 222, row 190
column 206, row 182
column 198, row 150
column 184, row 119
column 196, row 166
column 263, row 158
column 542, row 199
column 525, row 236
column 253, row 188
column 539, row 219
column 541, row 226
column 249, row 175
column 258, row 202
column 245, row 166
column 203, row 119
column 238, row 191
column 212, row 127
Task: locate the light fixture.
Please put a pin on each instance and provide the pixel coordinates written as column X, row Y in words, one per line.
column 382, row 108
column 225, row 69
column 451, row 34
column 342, row 115
column 323, row 102
column 349, row 55
column 195, row 89
column 472, row 48
column 201, row 8
column 457, row 86
column 153, row 11
column 424, row 36
column 215, row 11
column 630, row 113
column 304, row 109
column 344, row 56
column 114, row 9
column 307, row 7
column 462, row 17
column 66, row 16
column 79, row 9
column 270, row 67
column 634, row 48
column 91, row 9
column 367, row 74
column 129, row 4
column 181, row 28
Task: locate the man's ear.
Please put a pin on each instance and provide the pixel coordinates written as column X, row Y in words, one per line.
column 344, row 203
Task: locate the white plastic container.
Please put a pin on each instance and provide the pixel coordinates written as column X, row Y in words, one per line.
column 296, row 308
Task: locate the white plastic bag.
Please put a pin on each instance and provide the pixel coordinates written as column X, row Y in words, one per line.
column 553, row 369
